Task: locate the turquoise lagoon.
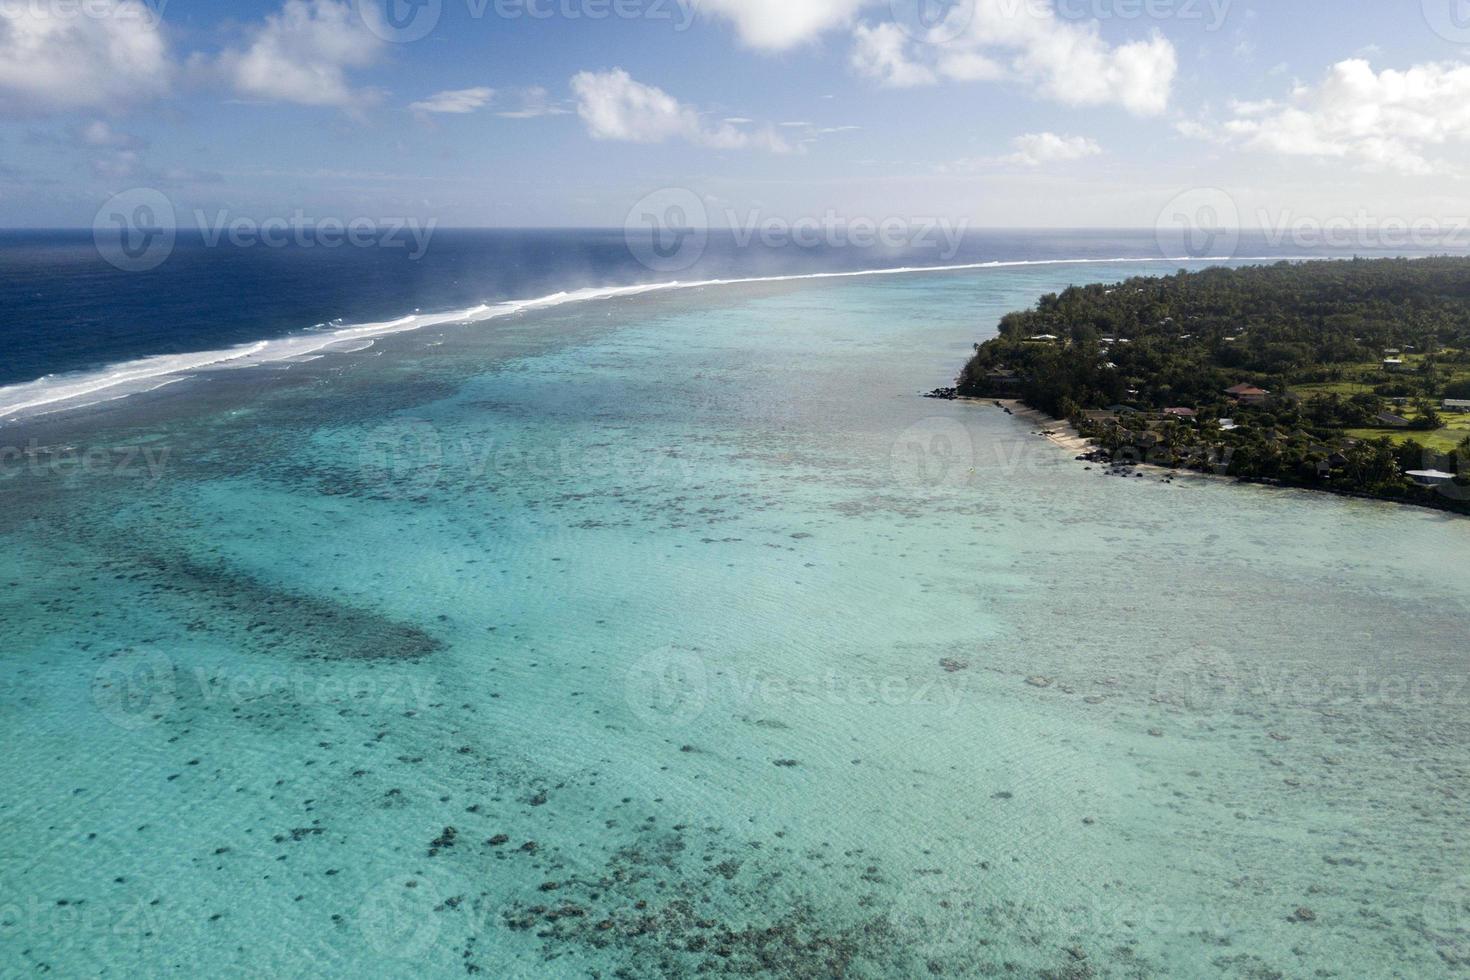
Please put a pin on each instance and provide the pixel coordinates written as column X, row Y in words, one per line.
column 676, row 635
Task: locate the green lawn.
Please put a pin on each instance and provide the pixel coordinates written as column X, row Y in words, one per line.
column 1444, row 440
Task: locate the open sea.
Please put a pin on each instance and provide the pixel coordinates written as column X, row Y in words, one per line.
column 482, row 616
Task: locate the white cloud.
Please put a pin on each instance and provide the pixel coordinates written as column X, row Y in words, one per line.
column 99, row 133
column 615, row 107
column 1392, row 121
column 1036, row 149
column 109, row 55
column 302, row 54
column 990, row 40
column 880, row 53
column 455, row 101
column 535, row 102
column 776, row 25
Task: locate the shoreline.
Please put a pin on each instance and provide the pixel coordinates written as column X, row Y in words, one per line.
column 68, row 391
column 1064, row 436
column 1058, row 432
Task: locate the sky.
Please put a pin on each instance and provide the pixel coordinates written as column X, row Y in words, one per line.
column 547, row 113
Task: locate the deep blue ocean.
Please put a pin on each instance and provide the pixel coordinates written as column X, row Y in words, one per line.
column 64, row 308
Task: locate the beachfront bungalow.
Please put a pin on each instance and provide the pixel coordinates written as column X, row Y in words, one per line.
column 1122, row 410
column 1431, row 478
column 1392, row 421
column 1247, row 394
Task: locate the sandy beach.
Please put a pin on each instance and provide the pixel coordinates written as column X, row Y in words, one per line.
column 1059, row 432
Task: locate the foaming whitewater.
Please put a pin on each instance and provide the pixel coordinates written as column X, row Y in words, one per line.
column 62, row 392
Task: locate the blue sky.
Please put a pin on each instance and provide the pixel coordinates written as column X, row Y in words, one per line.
column 1002, row 113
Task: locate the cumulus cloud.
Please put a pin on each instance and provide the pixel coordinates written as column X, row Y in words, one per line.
column 1037, row 149
column 881, row 52
column 1390, row 121
column 302, row 54
column 992, row 40
column 613, row 106
column 55, row 59
column 455, row 101
column 776, row 25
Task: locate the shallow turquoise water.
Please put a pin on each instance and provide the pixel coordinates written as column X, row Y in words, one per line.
column 667, row 588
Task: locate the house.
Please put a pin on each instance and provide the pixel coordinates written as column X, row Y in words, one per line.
column 1228, row 425
column 1181, row 413
column 1045, row 337
column 1457, row 404
column 1431, row 478
column 1122, row 410
column 1393, row 364
column 1247, row 394
column 1392, row 421
column 1101, row 418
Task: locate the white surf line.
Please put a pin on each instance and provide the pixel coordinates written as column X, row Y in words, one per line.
column 67, row 391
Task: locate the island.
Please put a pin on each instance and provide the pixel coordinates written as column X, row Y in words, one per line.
column 1346, row 376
